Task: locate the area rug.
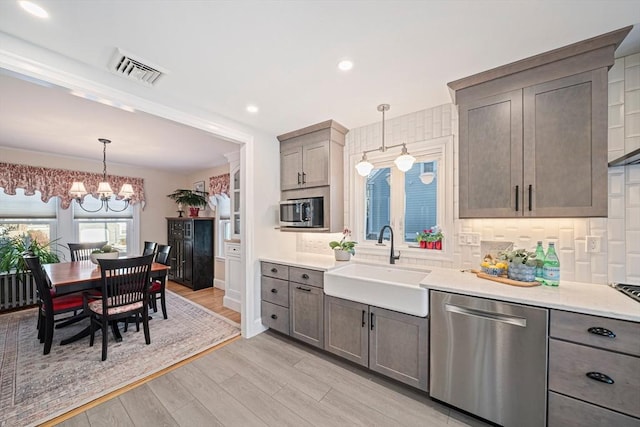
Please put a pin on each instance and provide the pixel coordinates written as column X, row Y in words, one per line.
column 35, row 388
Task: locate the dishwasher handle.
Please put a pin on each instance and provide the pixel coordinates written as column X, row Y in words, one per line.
column 488, row 315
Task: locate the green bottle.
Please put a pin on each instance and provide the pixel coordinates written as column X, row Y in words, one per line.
column 539, row 261
column 551, row 267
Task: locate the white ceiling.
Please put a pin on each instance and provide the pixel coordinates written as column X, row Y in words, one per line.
column 280, row 55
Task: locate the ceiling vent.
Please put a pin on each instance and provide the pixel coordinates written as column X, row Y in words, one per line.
column 126, row 65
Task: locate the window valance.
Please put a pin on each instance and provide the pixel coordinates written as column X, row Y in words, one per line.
column 57, row 182
column 219, row 184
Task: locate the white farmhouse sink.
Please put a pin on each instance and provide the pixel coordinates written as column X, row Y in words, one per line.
column 387, row 287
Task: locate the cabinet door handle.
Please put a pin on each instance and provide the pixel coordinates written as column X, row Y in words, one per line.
column 517, row 194
column 305, row 276
column 303, row 289
column 274, row 270
column 530, row 193
column 274, row 317
column 364, row 318
column 371, row 322
column 274, row 291
column 299, row 178
column 603, row 378
column 304, row 177
column 604, row 332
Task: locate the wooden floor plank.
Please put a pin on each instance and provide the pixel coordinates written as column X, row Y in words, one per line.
column 269, row 410
column 173, row 395
column 221, row 404
column 357, row 411
column 80, row 420
column 194, row 414
column 144, row 408
column 259, row 377
column 109, row 414
column 321, row 413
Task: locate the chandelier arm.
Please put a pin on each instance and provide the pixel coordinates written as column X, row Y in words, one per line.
column 126, row 205
column 79, row 201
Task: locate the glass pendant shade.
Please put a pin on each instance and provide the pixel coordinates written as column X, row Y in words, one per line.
column 77, row 189
column 404, row 162
column 364, row 168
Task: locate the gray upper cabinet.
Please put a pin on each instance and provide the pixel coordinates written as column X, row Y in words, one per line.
column 533, row 134
column 312, row 165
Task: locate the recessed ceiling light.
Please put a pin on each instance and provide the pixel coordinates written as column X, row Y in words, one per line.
column 33, row 9
column 252, row 108
column 345, row 65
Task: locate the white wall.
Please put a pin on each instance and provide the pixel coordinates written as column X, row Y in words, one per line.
column 620, row 232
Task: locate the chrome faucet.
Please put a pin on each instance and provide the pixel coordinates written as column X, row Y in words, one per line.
column 392, row 256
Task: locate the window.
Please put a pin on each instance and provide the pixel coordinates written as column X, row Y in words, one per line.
column 20, row 215
column 410, row 202
column 111, row 226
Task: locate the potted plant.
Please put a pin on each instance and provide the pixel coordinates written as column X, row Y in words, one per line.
column 12, row 249
column 431, row 238
column 344, row 248
column 194, row 199
column 522, row 264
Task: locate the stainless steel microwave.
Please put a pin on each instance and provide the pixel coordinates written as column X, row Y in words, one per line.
column 302, row 213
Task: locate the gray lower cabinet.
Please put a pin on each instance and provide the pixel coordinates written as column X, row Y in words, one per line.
column 306, row 313
column 275, row 296
column 594, row 371
column 391, row 343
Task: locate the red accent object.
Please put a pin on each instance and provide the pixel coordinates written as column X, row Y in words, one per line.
column 67, row 302
column 423, row 244
column 437, row 245
column 155, row 286
column 193, row 212
column 430, row 245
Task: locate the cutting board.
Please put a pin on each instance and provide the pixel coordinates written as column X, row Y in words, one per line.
column 504, row 280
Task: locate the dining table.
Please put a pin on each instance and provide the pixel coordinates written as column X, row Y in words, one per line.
column 77, row 276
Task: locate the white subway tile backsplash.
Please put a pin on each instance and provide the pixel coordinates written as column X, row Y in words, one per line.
column 633, row 219
column 631, row 60
column 616, row 182
column 631, row 144
column 632, row 125
column 616, row 115
column 616, row 73
column 633, row 195
column 616, row 140
column 633, row 267
column 616, row 229
column 616, row 92
column 616, row 207
column 633, row 242
column 617, row 273
column 632, row 78
column 632, row 102
column 582, row 272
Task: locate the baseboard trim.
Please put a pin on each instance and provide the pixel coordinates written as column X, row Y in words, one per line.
column 219, row 284
column 231, row 303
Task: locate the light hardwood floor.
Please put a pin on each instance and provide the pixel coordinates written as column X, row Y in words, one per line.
column 268, row 380
column 210, row 298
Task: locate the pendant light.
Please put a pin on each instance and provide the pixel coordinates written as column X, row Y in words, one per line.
column 403, row 162
column 78, row 190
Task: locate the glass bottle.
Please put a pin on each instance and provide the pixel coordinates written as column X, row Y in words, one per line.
column 539, row 261
column 551, row 267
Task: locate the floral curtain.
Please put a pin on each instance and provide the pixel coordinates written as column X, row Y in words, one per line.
column 219, row 184
column 57, row 182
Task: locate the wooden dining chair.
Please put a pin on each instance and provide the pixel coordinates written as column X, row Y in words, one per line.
column 150, row 248
column 48, row 306
column 125, row 293
column 157, row 289
column 82, row 251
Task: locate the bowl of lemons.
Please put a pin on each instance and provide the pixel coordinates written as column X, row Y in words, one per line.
column 493, row 266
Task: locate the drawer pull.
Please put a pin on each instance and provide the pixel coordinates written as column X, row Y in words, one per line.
column 303, row 289
column 364, row 317
column 274, row 317
column 305, row 276
column 601, row 331
column 274, row 270
column 603, row 378
column 274, row 291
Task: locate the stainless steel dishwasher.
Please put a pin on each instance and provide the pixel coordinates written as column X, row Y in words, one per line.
column 489, row 358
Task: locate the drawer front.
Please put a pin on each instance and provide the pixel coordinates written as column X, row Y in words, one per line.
column 568, row 367
column 232, row 249
column 576, row 327
column 567, row 412
column 275, row 317
column 277, row 271
column 306, row 276
column 275, row 291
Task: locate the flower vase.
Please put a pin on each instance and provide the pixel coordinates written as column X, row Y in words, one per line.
column 342, row 255
column 423, row 244
column 430, row 245
column 193, row 212
column 437, row 245
column 521, row 272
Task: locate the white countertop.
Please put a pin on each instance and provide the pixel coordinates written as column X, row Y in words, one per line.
column 586, row 298
column 306, row 260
